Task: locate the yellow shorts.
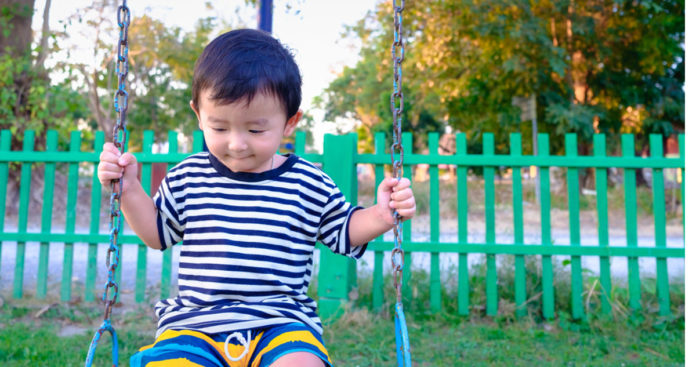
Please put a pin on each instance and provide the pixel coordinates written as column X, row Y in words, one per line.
column 186, row 348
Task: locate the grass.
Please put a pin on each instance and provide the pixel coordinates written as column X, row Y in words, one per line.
column 33, row 334
column 361, row 338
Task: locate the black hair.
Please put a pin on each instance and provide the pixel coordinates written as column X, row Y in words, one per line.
column 241, row 63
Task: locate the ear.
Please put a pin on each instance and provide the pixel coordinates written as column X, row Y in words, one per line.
column 198, row 115
column 291, row 124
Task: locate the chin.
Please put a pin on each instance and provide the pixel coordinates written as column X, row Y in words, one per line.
column 242, row 168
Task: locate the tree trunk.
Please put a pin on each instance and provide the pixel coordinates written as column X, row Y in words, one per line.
column 45, row 32
column 15, row 42
column 18, row 40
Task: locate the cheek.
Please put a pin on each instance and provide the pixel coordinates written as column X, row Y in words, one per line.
column 213, row 141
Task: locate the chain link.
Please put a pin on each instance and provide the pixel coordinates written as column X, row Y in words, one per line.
column 397, row 149
column 403, row 350
column 119, row 139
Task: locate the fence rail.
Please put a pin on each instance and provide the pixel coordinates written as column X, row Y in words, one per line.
column 340, row 160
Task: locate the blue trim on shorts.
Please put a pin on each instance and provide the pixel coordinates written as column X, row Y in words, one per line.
column 192, row 353
column 201, row 352
column 317, row 353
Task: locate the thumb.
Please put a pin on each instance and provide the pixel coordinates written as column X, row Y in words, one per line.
column 129, row 164
column 387, row 185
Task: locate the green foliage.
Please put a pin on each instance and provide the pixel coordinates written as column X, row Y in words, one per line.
column 162, row 64
column 29, row 101
column 614, row 66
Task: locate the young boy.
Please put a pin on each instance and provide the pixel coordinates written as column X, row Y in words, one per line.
column 247, row 218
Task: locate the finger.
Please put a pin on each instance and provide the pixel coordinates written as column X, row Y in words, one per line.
column 387, row 185
column 109, row 176
column 402, row 184
column 402, row 195
column 110, row 167
column 106, row 176
column 110, row 147
column 108, row 156
column 126, row 159
column 403, row 204
column 407, row 213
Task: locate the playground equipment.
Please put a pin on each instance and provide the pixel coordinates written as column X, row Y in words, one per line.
column 115, row 221
column 403, row 349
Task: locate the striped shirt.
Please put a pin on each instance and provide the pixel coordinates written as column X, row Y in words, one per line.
column 247, row 242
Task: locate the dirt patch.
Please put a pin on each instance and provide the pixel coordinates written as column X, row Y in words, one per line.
column 71, row 330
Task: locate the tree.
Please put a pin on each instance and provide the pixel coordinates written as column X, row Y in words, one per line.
column 607, row 66
column 162, row 67
column 28, row 98
column 161, row 60
column 363, row 92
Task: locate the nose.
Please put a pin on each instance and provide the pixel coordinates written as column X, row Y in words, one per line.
column 236, row 143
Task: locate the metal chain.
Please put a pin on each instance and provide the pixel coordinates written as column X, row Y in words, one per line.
column 403, row 350
column 119, row 137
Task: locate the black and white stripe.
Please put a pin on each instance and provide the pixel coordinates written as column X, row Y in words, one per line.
column 247, row 242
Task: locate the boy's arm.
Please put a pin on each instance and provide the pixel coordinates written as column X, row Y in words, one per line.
column 141, row 215
column 137, row 206
column 366, row 224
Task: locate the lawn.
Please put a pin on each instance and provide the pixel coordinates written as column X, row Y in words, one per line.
column 42, row 333
column 60, row 337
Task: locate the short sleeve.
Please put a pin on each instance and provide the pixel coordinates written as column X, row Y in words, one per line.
column 334, row 224
column 169, row 226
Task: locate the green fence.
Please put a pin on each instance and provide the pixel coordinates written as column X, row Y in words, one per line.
column 340, row 160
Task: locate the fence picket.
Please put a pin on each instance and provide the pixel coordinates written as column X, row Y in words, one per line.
column 631, row 210
column 378, row 270
column 545, row 206
column 46, row 215
column 94, row 220
column 300, row 142
column 166, row 278
column 683, row 193
column 573, row 180
column 435, row 288
column 658, row 189
column 518, row 220
column 407, row 142
column 70, row 212
column 489, row 193
column 197, row 145
column 23, row 215
column 599, row 143
column 462, row 229
column 4, row 172
column 145, row 181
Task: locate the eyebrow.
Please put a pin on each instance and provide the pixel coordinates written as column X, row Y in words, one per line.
column 260, row 122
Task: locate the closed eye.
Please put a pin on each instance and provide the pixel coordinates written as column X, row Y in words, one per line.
column 256, row 131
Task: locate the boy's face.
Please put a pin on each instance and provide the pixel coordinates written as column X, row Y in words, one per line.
column 244, row 136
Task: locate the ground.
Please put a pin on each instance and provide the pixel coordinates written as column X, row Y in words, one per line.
column 50, row 333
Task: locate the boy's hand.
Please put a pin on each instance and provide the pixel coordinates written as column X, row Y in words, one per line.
column 395, row 194
column 113, row 165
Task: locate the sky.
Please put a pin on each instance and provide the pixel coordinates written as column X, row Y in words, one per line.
column 314, row 34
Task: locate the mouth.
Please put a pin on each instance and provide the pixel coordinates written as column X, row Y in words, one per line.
column 238, row 157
